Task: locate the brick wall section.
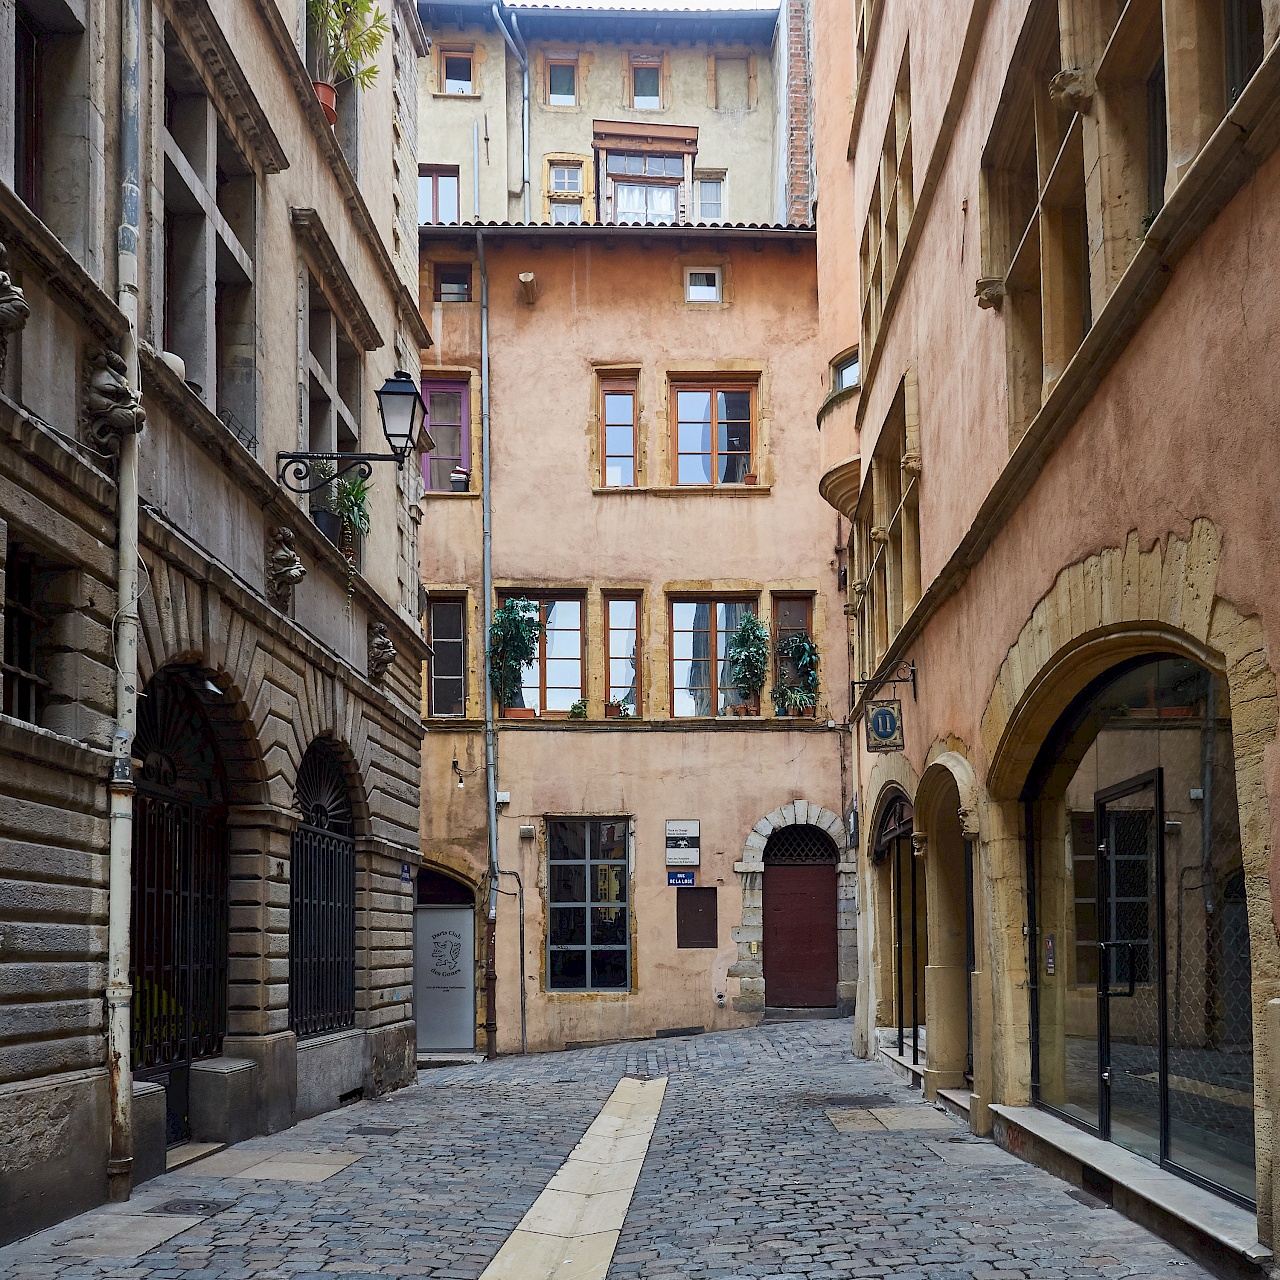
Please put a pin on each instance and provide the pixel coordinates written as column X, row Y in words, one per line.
column 799, row 114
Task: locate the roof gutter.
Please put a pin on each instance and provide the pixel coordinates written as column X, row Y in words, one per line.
column 522, row 57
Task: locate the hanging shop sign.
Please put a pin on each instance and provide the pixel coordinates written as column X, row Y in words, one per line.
column 680, row 879
column 684, row 842
column 884, row 725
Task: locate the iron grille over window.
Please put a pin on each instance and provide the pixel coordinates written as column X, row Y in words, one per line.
column 800, row 844
column 322, row 907
column 23, row 688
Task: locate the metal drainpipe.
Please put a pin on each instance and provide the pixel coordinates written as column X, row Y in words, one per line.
column 120, row 893
column 522, row 57
column 490, row 754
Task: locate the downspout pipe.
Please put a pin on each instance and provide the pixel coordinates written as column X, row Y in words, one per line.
column 490, row 753
column 120, row 890
column 521, row 54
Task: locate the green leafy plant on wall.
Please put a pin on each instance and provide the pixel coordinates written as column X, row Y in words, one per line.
column 579, row 710
column 349, row 501
column 513, row 645
column 348, row 35
column 748, row 652
column 794, row 697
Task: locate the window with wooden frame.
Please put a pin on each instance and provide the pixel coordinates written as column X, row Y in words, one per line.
column 565, row 193
column 697, row 923
column 438, row 194
column 588, row 924
column 701, row 674
column 452, row 282
column 709, row 194
column 622, row 652
column 618, row 432
column 457, row 71
column 27, row 114
column 846, row 372
column 713, row 431
column 1242, row 31
column 890, row 210
column 447, row 424
column 646, row 84
column 553, row 682
column 562, row 82
column 886, row 534
column 792, row 616
column 644, row 188
column 702, row 284
column 447, row 664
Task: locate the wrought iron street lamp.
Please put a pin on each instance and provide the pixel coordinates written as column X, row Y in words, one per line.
column 403, row 413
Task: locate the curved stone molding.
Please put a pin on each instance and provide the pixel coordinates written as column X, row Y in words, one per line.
column 967, row 785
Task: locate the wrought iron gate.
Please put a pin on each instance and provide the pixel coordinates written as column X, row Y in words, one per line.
column 322, row 908
column 179, row 925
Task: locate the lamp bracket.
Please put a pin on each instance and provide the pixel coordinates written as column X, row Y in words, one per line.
column 296, row 471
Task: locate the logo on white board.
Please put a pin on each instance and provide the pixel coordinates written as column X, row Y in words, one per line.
column 446, row 948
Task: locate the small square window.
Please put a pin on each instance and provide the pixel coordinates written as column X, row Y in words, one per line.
column 453, row 284
column 562, row 84
column 847, row 373
column 646, row 88
column 566, row 213
column 566, row 179
column 457, row 73
column 702, row 284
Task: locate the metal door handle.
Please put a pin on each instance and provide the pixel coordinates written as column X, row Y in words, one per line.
column 1106, row 1075
column 1106, row 968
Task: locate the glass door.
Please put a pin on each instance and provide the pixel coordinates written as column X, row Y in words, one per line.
column 1129, row 820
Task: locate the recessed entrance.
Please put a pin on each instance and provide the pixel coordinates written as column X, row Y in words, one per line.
column 894, row 852
column 444, row 964
column 179, row 910
column 1141, row 979
column 800, row 941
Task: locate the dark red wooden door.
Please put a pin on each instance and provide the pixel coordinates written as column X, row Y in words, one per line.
column 800, row 935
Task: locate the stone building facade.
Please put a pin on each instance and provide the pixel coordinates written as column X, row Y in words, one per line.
column 722, row 884
column 1047, row 425
column 273, row 782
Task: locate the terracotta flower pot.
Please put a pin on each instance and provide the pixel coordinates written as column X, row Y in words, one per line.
column 327, row 96
column 751, row 478
column 519, row 713
column 611, row 712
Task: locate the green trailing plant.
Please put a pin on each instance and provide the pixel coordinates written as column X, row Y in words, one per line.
column 348, row 35
column 579, row 710
column 349, row 501
column 513, row 645
column 793, row 697
column 748, row 652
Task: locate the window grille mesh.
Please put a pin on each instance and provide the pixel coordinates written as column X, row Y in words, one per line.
column 800, row 844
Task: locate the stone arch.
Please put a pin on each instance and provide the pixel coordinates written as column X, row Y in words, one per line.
column 1122, row 603
column 749, row 966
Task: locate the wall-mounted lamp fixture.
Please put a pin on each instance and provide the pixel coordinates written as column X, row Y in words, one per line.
column 458, row 770
column 401, row 408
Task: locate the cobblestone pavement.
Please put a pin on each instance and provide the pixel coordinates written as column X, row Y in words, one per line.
column 746, row 1176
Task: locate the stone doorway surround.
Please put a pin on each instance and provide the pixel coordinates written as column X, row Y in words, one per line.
column 749, row 936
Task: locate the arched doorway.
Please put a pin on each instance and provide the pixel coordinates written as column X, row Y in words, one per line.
column 322, row 898
column 801, row 958
column 1141, row 976
column 892, row 850
column 444, row 964
column 179, row 911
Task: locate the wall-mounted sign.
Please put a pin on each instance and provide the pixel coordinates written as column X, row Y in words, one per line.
column 684, row 843
column 680, row 879
column 406, row 873
column 1048, row 954
column 884, row 725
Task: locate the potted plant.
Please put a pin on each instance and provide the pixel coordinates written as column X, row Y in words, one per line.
column 748, row 653
column 347, row 35
column 616, row 710
column 513, row 645
column 751, row 478
column 579, row 710
column 323, row 516
column 349, row 501
column 798, row 696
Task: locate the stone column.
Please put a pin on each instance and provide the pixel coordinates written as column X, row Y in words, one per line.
column 258, row 958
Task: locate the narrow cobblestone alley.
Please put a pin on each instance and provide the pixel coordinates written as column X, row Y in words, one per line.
column 746, row 1176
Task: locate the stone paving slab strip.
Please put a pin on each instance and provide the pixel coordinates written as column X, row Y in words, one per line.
column 571, row 1230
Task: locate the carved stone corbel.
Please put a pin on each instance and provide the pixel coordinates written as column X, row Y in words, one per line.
column 14, row 310
column 1072, row 90
column 284, row 568
column 382, row 653
column 879, row 533
column 911, row 464
column 919, row 843
column 990, row 292
column 112, row 409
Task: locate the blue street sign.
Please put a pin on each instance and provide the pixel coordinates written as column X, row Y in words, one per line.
column 679, row 879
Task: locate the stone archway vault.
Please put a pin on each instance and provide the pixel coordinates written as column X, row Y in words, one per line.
column 749, row 936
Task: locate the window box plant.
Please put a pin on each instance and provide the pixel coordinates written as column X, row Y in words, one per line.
column 345, row 36
column 748, row 653
column 579, row 710
column 617, row 711
column 797, row 696
column 513, row 645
